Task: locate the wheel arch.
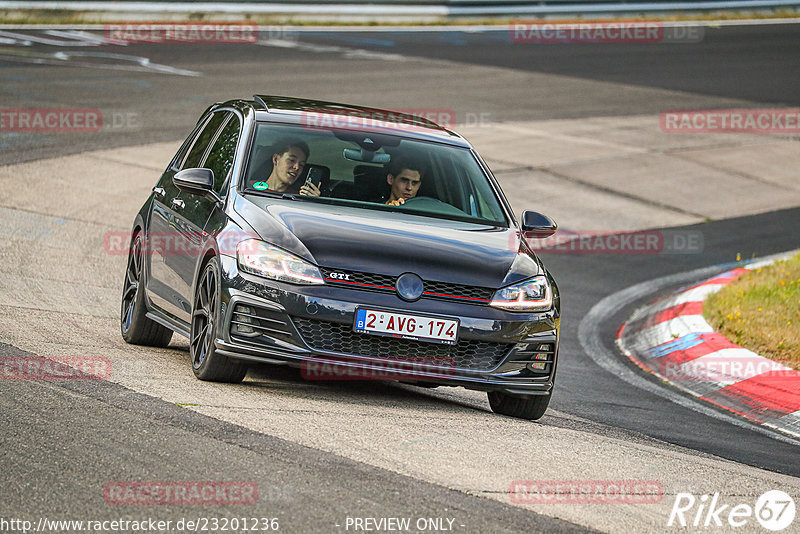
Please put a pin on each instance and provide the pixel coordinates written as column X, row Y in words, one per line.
column 209, row 252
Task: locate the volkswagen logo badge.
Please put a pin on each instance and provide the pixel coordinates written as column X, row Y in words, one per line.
column 409, row 287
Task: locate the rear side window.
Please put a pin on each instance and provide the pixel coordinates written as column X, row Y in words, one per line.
column 195, row 155
column 223, row 151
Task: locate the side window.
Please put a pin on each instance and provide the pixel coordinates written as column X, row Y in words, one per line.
column 179, row 156
column 223, row 151
column 195, row 155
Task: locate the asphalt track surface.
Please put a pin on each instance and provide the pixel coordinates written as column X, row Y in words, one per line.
column 751, row 65
column 755, row 63
column 63, row 432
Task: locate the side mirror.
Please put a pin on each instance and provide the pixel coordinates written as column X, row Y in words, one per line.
column 536, row 225
column 197, row 181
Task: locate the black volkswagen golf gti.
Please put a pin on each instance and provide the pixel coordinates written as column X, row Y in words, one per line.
column 350, row 242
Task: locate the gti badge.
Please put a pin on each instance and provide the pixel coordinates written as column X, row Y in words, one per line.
column 409, row 287
column 340, row 276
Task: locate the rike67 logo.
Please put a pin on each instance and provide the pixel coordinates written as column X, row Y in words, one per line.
column 773, row 510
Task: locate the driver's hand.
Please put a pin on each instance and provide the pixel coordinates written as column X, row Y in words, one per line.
column 397, row 202
column 310, row 190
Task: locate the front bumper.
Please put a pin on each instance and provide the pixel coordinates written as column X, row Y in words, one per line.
column 311, row 327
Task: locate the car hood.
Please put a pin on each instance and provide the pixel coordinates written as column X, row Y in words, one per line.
column 391, row 243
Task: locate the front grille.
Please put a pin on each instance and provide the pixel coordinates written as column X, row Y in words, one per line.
column 437, row 289
column 360, row 280
column 386, row 283
column 335, row 337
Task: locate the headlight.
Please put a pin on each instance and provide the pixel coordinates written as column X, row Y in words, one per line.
column 533, row 295
column 260, row 258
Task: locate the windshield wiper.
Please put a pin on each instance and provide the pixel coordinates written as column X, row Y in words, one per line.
column 276, row 194
column 298, row 196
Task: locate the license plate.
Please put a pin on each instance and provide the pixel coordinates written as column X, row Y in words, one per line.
column 406, row 326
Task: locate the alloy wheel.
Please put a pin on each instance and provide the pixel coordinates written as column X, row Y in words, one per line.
column 203, row 316
column 133, row 275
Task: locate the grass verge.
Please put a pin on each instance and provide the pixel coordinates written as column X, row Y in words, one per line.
column 761, row 311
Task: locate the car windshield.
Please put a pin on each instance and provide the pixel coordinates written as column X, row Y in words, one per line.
column 372, row 170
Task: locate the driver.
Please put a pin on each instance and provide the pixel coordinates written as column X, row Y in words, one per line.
column 288, row 160
column 404, row 178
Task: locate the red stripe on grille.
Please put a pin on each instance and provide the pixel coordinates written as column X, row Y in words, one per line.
column 453, row 296
column 357, row 283
column 445, row 295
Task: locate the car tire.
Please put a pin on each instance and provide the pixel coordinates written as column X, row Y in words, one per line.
column 207, row 363
column 530, row 407
column 136, row 327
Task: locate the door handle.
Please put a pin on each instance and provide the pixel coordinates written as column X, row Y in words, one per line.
column 178, row 203
column 159, row 191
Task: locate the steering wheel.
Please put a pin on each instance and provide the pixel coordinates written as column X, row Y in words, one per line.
column 422, row 202
column 433, row 205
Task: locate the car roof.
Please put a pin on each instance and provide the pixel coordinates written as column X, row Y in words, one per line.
column 331, row 114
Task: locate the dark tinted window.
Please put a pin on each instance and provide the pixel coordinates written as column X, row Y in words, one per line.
column 177, row 160
column 223, row 151
column 195, row 155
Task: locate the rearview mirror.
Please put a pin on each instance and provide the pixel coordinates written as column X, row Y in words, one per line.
column 536, row 225
column 366, row 156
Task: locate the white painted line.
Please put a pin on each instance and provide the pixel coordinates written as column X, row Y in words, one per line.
column 31, row 38
column 791, row 421
column 699, row 388
column 65, row 58
column 86, row 36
